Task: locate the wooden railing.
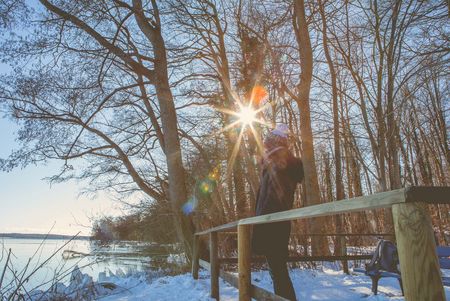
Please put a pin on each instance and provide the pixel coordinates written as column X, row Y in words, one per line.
column 414, row 235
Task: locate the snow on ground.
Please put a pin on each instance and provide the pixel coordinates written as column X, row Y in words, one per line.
column 310, row 285
column 181, row 287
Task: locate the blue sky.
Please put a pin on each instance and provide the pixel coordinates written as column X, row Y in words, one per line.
column 29, row 204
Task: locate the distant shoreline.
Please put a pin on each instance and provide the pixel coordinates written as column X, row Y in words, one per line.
column 42, row 236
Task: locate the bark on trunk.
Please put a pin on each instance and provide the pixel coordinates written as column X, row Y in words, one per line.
column 177, row 186
column 309, row 163
column 336, row 126
column 392, row 127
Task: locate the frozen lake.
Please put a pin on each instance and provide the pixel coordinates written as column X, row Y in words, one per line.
column 27, row 255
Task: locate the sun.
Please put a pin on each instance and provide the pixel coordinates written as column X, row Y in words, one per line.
column 247, row 118
column 247, row 115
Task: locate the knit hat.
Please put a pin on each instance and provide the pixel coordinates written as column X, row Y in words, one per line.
column 277, row 138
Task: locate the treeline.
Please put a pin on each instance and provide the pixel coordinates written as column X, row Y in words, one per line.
column 135, row 97
column 149, row 224
column 108, row 229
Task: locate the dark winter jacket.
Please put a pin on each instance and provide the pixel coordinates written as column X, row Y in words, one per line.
column 276, row 193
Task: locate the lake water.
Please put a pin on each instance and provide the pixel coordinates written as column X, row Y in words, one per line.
column 29, row 254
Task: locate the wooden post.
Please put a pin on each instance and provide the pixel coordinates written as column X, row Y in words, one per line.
column 344, row 253
column 244, row 262
column 195, row 257
column 214, row 261
column 419, row 264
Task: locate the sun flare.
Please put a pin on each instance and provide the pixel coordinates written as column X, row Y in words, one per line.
column 245, row 121
column 247, row 115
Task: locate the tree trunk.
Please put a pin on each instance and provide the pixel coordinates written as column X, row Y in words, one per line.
column 336, row 134
column 176, row 172
column 309, row 163
column 392, row 127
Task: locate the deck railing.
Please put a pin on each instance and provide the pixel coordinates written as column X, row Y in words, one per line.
column 413, row 231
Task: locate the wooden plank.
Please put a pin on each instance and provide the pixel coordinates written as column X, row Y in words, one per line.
column 204, row 264
column 304, row 258
column 219, row 228
column 230, row 278
column 419, row 263
column 258, row 293
column 430, row 195
column 261, row 294
column 223, row 232
column 195, row 257
column 214, row 261
column 323, row 234
column 244, row 262
column 374, row 201
column 344, row 234
column 330, row 258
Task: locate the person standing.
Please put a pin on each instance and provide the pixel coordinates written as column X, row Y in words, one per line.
column 281, row 172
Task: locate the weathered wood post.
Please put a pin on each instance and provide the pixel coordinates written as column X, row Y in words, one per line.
column 195, row 257
column 214, row 260
column 419, row 264
column 344, row 253
column 244, row 262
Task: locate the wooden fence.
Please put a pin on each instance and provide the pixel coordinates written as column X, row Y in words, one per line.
column 413, row 231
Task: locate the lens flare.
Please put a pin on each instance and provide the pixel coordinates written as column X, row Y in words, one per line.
column 247, row 115
column 206, row 187
column 258, row 95
column 246, row 118
column 214, row 174
column 190, row 205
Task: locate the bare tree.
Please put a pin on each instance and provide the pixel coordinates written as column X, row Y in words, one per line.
column 302, row 99
column 87, row 112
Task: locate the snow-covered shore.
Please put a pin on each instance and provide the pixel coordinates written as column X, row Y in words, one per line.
column 323, row 284
column 310, row 285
